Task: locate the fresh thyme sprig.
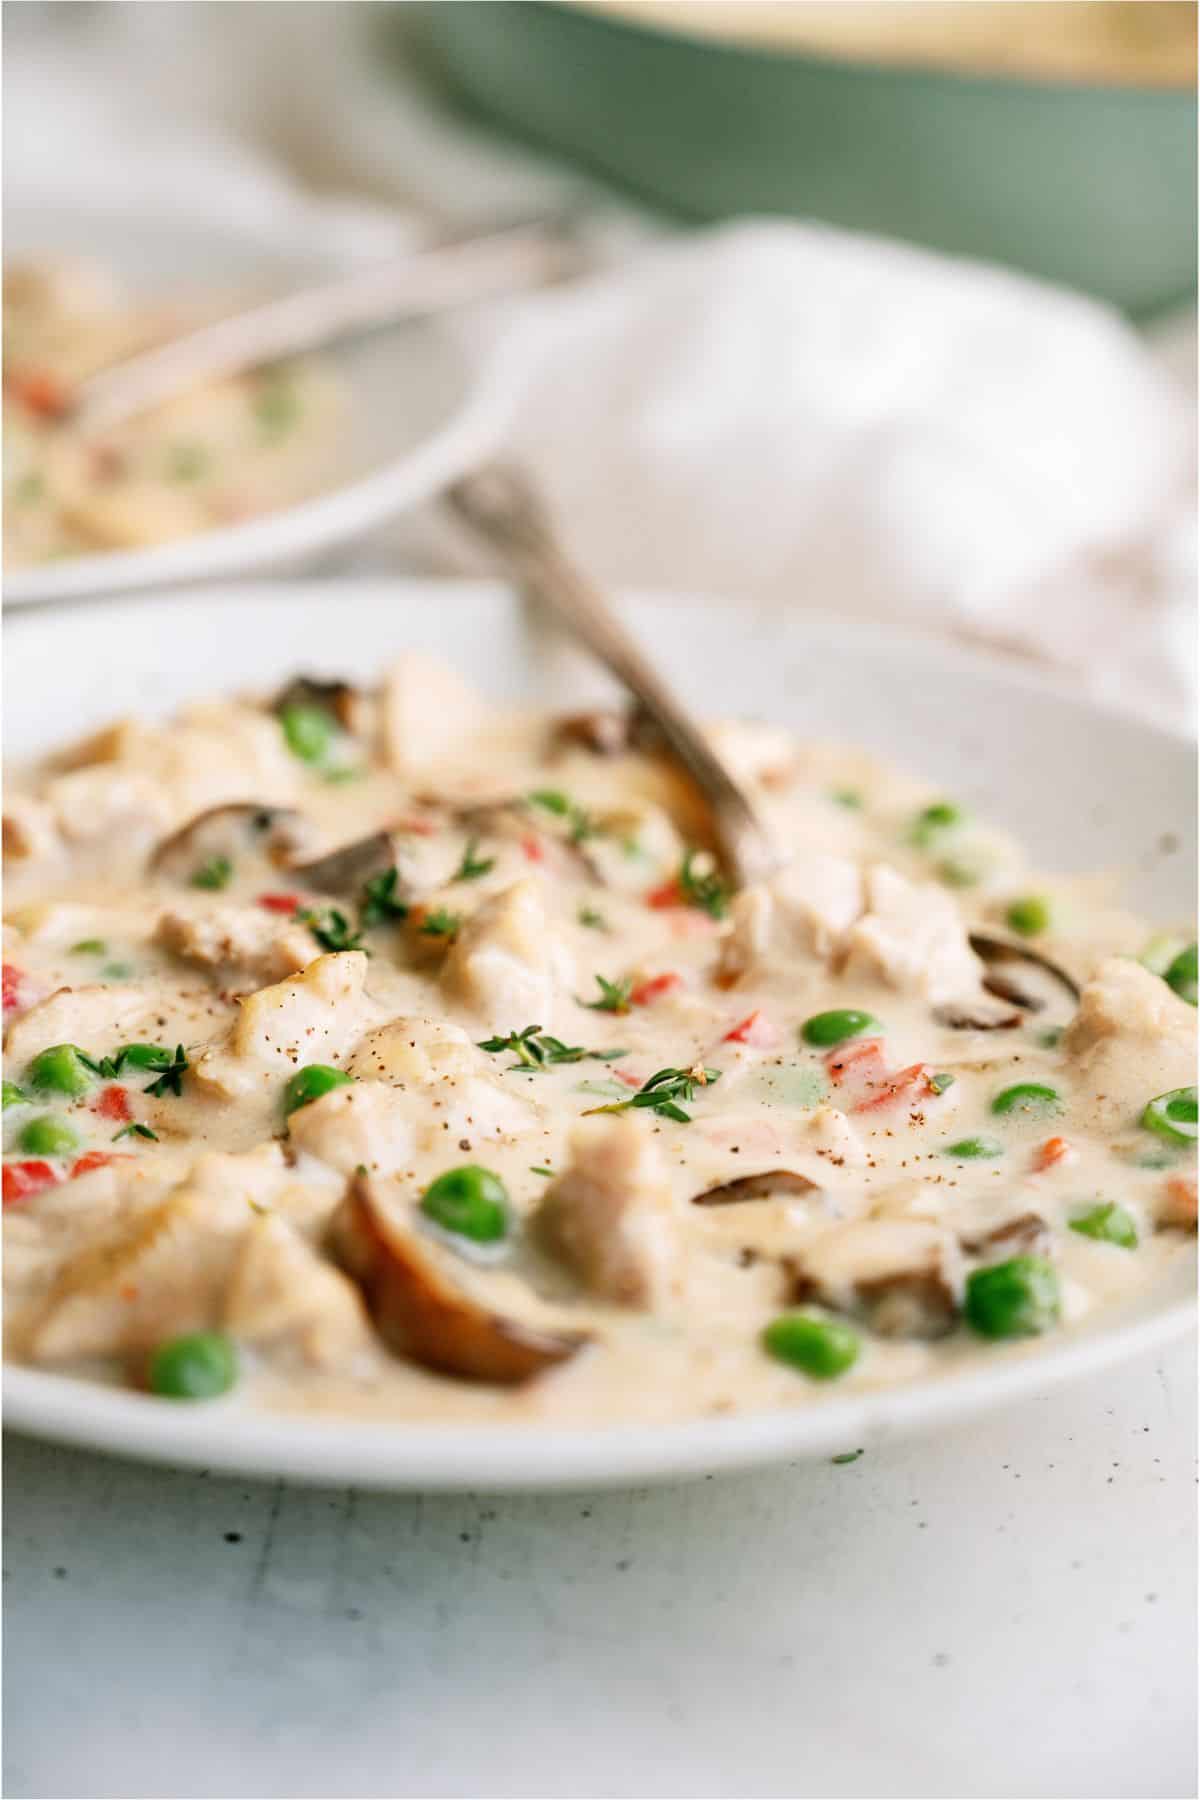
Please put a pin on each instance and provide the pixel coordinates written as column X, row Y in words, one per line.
column 331, row 928
column 441, row 924
column 472, row 867
column 614, row 996
column 535, row 1049
column 380, row 903
column 663, row 1092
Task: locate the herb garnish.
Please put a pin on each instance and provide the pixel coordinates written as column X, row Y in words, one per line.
column 441, row 924
column 535, row 1049
column 217, row 872
column 663, row 1092
column 155, row 1059
column 472, row 867
column 553, row 800
column 704, row 887
column 588, row 915
column 614, row 996
column 332, row 929
column 939, row 1083
column 171, row 1079
column 380, row 901
column 90, row 947
column 135, row 1130
column 535, row 1170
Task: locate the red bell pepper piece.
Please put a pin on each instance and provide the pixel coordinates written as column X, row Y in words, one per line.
column 907, row 1084
column 647, row 992
column 280, row 903
column 13, row 978
column 755, row 1029
column 113, row 1103
column 22, row 1180
column 94, row 1159
column 669, row 894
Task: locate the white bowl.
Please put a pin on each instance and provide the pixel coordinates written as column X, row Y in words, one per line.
column 417, row 415
column 1086, row 789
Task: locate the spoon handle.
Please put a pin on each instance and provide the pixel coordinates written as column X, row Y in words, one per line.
column 414, row 285
column 500, row 505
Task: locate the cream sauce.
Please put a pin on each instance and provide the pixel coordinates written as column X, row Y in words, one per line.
column 215, row 455
column 531, row 866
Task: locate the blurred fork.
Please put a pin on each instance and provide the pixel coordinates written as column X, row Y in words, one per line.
column 416, row 284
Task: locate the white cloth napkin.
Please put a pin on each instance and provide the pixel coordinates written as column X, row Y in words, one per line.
column 779, row 413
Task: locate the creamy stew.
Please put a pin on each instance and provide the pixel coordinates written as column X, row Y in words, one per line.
column 383, row 1053
column 215, row 455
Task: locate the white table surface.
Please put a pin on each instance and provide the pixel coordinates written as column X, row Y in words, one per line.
column 1007, row 1610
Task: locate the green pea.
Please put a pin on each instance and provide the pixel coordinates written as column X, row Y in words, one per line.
column 1109, row 1223
column 826, row 1029
column 973, row 1149
column 1182, row 975
column 14, row 1096
column 1173, row 1115
column 144, row 1056
column 823, row 1348
column 1018, row 1298
column 48, row 1136
column 216, row 873
column 308, row 732
column 469, row 1201
column 63, row 1068
column 310, row 1083
column 200, row 1365
column 932, row 821
column 1027, row 1097
column 1029, row 915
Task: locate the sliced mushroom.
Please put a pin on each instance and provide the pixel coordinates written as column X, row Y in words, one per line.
column 423, row 1311
column 335, row 697
column 244, row 827
column 1026, row 1235
column 916, row 1304
column 902, row 1277
column 604, row 731
column 771, row 1184
column 975, row 1015
column 1001, row 950
column 344, row 870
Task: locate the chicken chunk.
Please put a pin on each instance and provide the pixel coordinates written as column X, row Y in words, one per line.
column 235, row 941
column 166, row 1273
column 612, row 1215
column 316, row 1016
column 451, row 1089
column 366, row 1126
column 94, row 1016
column 1131, row 1038
column 427, row 711
column 283, row 1295
column 912, row 938
column 505, row 965
column 805, row 911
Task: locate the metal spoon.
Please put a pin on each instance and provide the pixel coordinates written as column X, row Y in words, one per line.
column 501, row 507
column 417, row 284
